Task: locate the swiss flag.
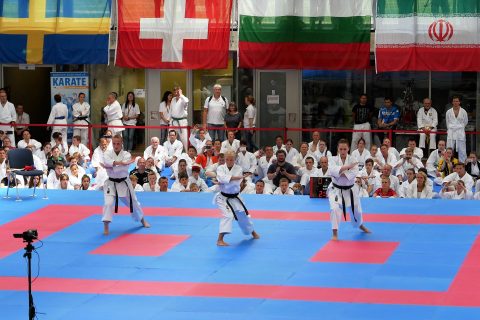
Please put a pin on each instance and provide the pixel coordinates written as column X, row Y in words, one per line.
column 173, row 34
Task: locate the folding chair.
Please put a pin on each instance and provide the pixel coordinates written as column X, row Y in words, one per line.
column 18, row 159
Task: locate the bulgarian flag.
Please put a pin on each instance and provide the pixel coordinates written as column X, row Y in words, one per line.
column 296, row 34
column 428, row 35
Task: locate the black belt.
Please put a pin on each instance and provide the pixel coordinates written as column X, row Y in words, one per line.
column 343, row 200
column 8, row 132
column 81, row 118
column 119, row 180
column 234, row 196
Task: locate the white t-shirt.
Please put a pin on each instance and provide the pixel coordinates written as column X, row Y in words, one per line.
column 166, row 113
column 130, row 111
column 217, row 108
column 251, row 112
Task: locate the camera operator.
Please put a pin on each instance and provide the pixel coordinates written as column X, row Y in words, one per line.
column 281, row 169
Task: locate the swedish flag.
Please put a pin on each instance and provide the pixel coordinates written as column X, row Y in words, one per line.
column 54, row 31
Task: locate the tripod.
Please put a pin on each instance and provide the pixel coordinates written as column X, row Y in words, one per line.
column 28, row 254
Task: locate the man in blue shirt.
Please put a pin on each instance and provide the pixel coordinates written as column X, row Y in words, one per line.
column 388, row 117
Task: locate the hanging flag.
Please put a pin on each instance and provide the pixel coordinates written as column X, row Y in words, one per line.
column 173, row 34
column 428, row 35
column 54, row 31
column 314, row 34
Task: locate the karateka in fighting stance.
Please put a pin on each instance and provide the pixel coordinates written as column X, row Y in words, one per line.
column 118, row 185
column 343, row 192
column 229, row 177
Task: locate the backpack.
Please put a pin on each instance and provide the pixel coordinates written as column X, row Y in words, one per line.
column 223, row 98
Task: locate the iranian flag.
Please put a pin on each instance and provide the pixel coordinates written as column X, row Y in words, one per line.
column 428, row 35
column 301, row 34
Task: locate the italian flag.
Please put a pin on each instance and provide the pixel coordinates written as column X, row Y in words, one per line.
column 297, row 34
column 428, row 35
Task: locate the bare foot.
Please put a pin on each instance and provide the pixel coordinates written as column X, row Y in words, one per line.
column 255, row 235
column 145, row 223
column 364, row 229
column 106, row 229
column 222, row 243
column 334, row 235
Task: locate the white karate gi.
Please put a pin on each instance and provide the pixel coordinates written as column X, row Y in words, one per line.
column 59, row 115
column 7, row 115
column 159, row 155
column 97, row 160
column 456, row 138
column 178, row 118
column 81, row 110
column 197, row 143
column 346, row 178
column 113, row 117
column 227, row 146
column 81, row 149
column 432, row 163
column 124, row 189
column 231, row 187
column 22, row 144
column 360, row 157
column 428, row 119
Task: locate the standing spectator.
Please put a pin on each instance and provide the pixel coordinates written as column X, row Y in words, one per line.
column 130, row 111
column 22, row 118
column 81, row 116
column 427, row 120
column 178, row 116
column 165, row 113
column 113, row 114
column 361, row 114
column 249, row 120
column 214, row 112
column 58, row 115
column 457, row 120
column 473, row 166
column 233, row 120
column 8, row 116
column 388, row 116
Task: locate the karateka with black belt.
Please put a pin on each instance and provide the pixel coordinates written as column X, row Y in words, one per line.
column 118, row 185
column 343, row 193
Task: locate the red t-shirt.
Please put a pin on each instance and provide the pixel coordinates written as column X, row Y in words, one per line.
column 390, row 193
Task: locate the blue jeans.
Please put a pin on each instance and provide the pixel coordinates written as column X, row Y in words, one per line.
column 214, row 133
column 128, row 135
column 251, row 146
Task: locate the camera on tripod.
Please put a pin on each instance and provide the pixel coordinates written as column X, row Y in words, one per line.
column 27, row 236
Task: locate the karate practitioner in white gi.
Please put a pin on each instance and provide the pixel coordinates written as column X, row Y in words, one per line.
column 81, row 116
column 179, row 114
column 113, row 113
column 58, row 115
column 8, row 116
column 457, row 119
column 427, row 120
column 229, row 177
column 343, row 190
column 118, row 185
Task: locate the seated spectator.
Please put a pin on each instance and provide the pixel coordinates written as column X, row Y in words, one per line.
column 217, row 147
column 408, row 161
column 86, row 183
column 265, row 161
column 150, row 165
column 231, row 144
column 291, row 152
column 387, row 173
column 74, row 161
column 246, row 187
column 433, row 159
column 281, row 169
column 477, row 190
column 108, row 135
column 7, row 144
column 308, row 172
column 297, row 189
column 141, row 172
column 278, row 144
column 283, row 188
column 369, row 175
column 446, row 165
column 193, row 187
column 412, row 144
column 260, row 188
column 54, row 158
column 53, row 179
column 8, row 181
column 211, row 170
column 391, row 149
column 362, row 187
column 37, row 163
column 323, row 170
column 459, row 174
column 322, row 151
column 299, row 161
column 385, row 157
column 64, row 183
column 195, row 178
column 163, row 183
column 173, row 148
column 182, row 168
column 207, row 158
column 60, row 142
column 35, row 182
column 181, row 184
column 78, row 147
column 375, row 156
column 28, row 141
column 74, row 177
column 246, row 160
column 473, row 166
column 385, row 191
column 460, row 192
column 45, row 153
column 419, row 188
column 198, row 138
column 151, row 185
column 360, row 154
column 411, row 175
column 313, row 145
column 157, row 152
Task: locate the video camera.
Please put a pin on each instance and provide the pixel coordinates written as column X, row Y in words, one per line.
column 27, row 236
